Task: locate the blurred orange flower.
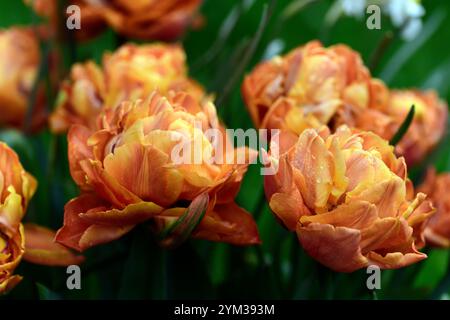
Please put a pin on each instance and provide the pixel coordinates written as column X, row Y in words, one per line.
column 140, row 19
column 130, row 73
column 426, row 130
column 19, row 62
column 349, row 199
column 308, row 86
column 127, row 175
column 437, row 231
column 11, row 252
column 35, row 244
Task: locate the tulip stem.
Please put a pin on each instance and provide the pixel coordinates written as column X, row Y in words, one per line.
column 374, row 295
column 272, row 269
column 380, row 50
column 107, row 261
column 166, row 279
column 260, row 205
column 295, row 248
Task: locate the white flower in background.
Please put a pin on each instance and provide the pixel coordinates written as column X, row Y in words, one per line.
column 402, row 11
column 406, row 14
column 411, row 29
column 354, row 8
column 274, row 48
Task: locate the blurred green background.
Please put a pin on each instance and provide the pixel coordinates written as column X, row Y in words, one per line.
column 233, row 40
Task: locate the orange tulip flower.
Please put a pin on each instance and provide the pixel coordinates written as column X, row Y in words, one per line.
column 33, row 243
column 11, row 252
column 349, row 200
column 130, row 73
column 140, row 19
column 313, row 83
column 427, row 129
column 19, row 62
column 127, row 175
column 437, row 231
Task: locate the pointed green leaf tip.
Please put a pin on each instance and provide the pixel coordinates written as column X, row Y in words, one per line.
column 404, row 127
column 180, row 230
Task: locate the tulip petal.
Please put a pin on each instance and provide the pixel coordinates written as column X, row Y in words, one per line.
column 228, row 223
column 132, row 214
column 29, row 186
column 355, row 215
column 81, row 234
column 11, row 212
column 78, row 151
column 144, row 171
column 335, row 247
column 435, row 238
column 385, row 233
column 74, row 227
column 9, row 282
column 314, row 161
column 419, row 219
column 288, row 207
column 395, row 260
column 340, row 181
column 365, row 169
column 98, row 234
column 10, row 170
column 107, row 186
column 16, row 246
column 387, row 195
column 229, row 187
column 40, row 248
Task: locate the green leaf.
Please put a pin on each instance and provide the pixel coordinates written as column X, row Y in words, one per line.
column 143, row 275
column 443, row 288
column 46, row 294
column 248, row 54
column 18, row 142
column 398, row 60
column 295, row 7
column 404, row 127
column 218, row 261
column 433, row 270
column 181, row 229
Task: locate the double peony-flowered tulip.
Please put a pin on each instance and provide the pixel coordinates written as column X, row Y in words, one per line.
column 33, row 243
column 309, row 86
column 140, row 19
column 19, row 63
column 426, row 130
column 436, row 186
column 348, row 198
column 127, row 174
column 131, row 72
